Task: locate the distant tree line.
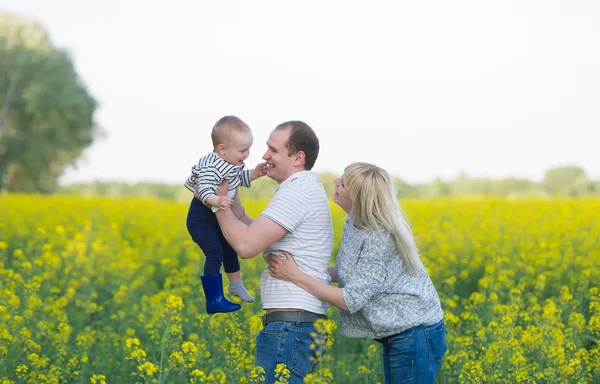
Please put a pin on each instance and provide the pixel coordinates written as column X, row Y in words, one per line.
column 560, row 181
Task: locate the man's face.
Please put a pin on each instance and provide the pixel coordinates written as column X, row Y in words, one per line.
column 281, row 166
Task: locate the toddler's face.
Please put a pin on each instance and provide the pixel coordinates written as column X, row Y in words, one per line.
column 237, row 150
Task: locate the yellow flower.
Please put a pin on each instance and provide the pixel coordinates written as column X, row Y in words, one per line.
column 199, row 375
column 148, row 368
column 137, row 354
column 257, row 375
column 21, row 369
column 98, row 379
column 189, row 348
column 174, row 303
column 514, row 278
column 362, row 369
column 176, row 358
column 132, row 342
column 282, row 374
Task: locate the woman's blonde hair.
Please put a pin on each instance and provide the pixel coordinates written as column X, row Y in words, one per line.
column 375, row 206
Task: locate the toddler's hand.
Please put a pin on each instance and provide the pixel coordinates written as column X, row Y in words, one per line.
column 261, row 169
column 225, row 202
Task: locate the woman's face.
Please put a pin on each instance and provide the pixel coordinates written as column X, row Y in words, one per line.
column 341, row 196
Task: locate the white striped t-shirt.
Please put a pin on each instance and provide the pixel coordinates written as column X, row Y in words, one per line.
column 301, row 206
column 211, row 170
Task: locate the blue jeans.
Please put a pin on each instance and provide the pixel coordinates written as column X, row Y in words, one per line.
column 287, row 342
column 415, row 355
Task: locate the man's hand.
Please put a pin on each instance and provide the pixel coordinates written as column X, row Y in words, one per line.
column 196, row 195
column 223, row 201
column 223, row 187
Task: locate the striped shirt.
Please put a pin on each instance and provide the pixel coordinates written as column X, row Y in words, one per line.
column 301, row 206
column 211, row 170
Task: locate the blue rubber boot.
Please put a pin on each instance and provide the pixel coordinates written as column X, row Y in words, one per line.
column 213, row 292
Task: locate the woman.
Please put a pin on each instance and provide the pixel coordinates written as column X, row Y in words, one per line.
column 384, row 291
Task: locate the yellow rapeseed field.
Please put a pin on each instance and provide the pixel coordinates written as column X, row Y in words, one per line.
column 108, row 291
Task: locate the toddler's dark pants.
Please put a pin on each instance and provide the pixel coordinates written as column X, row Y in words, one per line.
column 204, row 228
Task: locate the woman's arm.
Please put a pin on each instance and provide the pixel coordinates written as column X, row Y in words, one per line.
column 333, row 273
column 287, row 269
column 369, row 274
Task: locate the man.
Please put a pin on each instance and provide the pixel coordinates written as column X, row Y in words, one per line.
column 297, row 220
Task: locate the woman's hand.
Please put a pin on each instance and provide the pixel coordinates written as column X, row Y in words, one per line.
column 284, row 269
column 287, row 269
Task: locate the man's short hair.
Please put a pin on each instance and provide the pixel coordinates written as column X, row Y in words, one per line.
column 302, row 138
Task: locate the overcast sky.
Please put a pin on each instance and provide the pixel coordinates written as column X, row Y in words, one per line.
column 424, row 89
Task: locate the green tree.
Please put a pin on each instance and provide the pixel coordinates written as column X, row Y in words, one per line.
column 566, row 181
column 437, row 188
column 516, row 187
column 403, row 189
column 46, row 112
column 262, row 188
column 327, row 178
column 462, row 185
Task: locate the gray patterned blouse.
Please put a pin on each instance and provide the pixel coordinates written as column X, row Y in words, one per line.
column 382, row 297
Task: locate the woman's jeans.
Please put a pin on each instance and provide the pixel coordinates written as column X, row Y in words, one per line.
column 289, row 343
column 414, row 356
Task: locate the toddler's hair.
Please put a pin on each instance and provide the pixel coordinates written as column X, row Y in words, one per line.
column 225, row 127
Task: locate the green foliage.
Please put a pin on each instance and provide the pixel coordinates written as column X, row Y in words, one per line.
column 327, row 179
column 46, row 113
column 264, row 188
column 567, row 181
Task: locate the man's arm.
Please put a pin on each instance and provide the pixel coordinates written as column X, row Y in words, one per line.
column 249, row 240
